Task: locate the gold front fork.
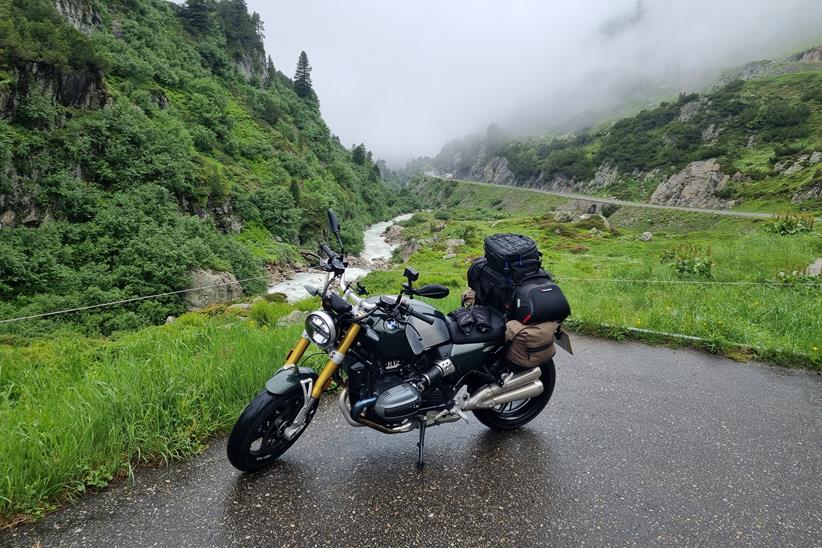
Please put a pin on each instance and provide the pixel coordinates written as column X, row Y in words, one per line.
column 334, row 360
column 297, row 352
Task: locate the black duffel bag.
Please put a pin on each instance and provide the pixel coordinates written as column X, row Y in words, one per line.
column 513, row 255
column 537, row 299
column 492, row 288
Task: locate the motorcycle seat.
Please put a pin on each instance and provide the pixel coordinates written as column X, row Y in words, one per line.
column 495, row 334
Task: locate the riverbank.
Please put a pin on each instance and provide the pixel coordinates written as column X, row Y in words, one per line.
column 376, row 252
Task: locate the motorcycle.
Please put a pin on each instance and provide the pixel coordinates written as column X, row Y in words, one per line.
column 401, row 363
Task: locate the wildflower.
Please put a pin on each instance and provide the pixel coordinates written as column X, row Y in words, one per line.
column 816, row 349
column 638, row 322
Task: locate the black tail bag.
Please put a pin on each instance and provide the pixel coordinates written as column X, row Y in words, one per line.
column 538, row 300
column 493, row 288
column 509, row 278
column 512, row 255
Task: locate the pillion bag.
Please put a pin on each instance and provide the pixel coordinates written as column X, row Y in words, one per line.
column 513, row 255
column 491, row 288
column 530, row 345
column 537, row 299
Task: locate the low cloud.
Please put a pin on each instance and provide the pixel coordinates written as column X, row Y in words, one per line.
column 405, row 76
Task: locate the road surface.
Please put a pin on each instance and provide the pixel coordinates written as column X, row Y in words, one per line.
column 640, row 445
column 601, row 200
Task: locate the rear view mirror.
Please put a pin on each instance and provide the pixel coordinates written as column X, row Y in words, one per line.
column 432, row 291
column 333, row 222
column 334, row 225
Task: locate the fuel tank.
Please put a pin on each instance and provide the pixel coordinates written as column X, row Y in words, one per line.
column 403, row 342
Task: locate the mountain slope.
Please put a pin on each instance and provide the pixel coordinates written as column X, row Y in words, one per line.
column 141, row 140
column 754, row 142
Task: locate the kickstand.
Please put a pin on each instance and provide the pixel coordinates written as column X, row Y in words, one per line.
column 421, row 445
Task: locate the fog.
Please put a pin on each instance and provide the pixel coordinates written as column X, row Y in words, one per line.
column 406, row 76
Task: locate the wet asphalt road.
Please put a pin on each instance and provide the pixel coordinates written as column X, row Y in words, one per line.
column 640, row 445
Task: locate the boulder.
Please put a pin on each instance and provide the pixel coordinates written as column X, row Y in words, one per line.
column 216, row 287
column 694, row 186
column 646, row 236
column 393, row 234
column 170, row 319
column 815, row 158
column 293, row 317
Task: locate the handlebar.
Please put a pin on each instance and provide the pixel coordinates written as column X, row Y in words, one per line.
column 325, row 250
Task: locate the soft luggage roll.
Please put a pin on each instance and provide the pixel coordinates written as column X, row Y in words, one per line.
column 530, row 345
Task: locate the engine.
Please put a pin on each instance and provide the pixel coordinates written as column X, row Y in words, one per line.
column 392, row 389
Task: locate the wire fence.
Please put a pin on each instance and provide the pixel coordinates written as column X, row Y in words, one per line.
column 238, row 282
column 129, row 300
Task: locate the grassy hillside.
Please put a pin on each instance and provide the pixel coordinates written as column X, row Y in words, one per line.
column 675, row 283
column 763, row 132
column 140, row 140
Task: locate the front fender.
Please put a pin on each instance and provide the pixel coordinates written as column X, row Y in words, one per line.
column 286, row 381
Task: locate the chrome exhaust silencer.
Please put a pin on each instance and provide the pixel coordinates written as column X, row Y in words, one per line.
column 516, row 387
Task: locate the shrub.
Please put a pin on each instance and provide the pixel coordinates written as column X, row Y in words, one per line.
column 796, row 278
column 790, row 223
column 689, row 260
column 468, row 232
column 609, row 209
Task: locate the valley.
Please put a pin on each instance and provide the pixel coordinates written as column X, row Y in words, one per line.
column 153, row 157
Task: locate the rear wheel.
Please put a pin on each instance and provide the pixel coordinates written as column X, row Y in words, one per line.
column 258, row 436
column 512, row 415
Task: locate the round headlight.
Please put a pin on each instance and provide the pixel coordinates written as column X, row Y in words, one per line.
column 319, row 327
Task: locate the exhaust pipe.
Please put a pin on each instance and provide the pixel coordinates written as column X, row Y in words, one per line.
column 495, row 394
column 342, row 402
column 521, row 393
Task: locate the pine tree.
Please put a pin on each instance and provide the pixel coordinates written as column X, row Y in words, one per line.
column 302, row 78
column 198, row 15
column 359, row 154
column 270, row 74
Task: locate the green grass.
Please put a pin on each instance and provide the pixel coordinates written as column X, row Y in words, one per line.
column 78, row 412
column 773, row 322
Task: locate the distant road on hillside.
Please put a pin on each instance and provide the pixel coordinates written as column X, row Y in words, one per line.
column 600, row 200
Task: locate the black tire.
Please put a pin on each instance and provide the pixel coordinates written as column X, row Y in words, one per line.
column 256, row 440
column 512, row 416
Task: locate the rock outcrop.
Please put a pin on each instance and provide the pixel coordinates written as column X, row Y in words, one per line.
column 812, row 192
column 77, row 88
column 495, row 171
column 694, row 186
column 79, row 13
column 217, row 287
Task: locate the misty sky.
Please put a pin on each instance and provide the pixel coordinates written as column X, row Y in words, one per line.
column 405, row 76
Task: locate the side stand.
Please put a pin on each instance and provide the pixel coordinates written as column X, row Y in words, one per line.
column 421, row 445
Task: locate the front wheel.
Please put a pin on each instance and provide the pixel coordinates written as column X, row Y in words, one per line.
column 512, row 415
column 258, row 438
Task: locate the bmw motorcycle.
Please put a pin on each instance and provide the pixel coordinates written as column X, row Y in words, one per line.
column 402, row 365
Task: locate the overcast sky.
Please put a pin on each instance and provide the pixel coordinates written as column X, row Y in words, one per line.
column 404, row 76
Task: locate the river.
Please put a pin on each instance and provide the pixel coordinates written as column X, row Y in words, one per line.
column 375, row 248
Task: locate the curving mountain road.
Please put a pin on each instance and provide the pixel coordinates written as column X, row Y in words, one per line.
column 601, row 200
column 640, row 445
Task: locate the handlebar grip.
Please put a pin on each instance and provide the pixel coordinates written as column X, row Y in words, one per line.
column 327, row 251
column 420, row 316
